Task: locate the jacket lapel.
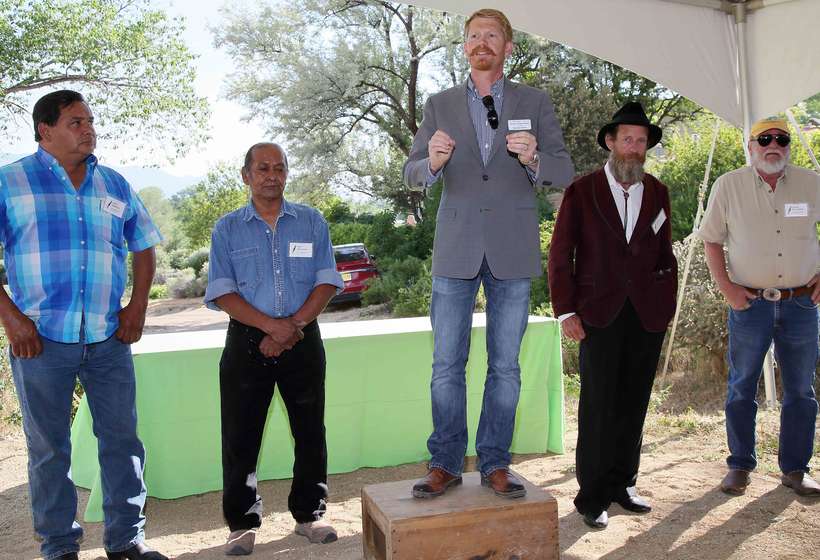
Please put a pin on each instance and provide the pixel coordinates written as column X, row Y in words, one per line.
column 605, row 205
column 511, row 98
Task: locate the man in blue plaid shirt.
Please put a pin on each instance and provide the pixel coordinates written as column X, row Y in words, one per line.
column 66, row 225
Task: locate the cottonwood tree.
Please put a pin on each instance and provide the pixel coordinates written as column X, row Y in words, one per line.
column 124, row 56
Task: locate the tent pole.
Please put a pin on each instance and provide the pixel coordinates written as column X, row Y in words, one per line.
column 803, row 139
column 740, row 12
column 689, row 245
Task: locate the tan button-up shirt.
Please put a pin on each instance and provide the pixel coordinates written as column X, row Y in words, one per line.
column 770, row 235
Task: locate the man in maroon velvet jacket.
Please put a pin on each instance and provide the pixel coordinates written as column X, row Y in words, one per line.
column 613, row 278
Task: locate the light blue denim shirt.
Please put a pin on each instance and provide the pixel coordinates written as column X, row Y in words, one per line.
column 273, row 269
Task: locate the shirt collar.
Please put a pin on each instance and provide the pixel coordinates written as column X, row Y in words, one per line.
column 759, row 180
column 50, row 161
column 250, row 211
column 614, row 184
column 496, row 90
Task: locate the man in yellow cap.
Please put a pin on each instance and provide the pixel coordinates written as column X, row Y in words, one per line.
column 765, row 215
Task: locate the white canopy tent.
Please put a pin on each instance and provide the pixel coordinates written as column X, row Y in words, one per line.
column 742, row 59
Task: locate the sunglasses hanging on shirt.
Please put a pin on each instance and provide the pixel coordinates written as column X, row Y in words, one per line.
column 782, row 140
column 492, row 116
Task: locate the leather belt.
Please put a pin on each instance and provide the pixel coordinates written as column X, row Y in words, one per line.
column 776, row 294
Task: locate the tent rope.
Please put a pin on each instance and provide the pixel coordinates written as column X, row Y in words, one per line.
column 689, row 245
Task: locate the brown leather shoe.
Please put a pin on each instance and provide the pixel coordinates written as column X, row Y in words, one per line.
column 735, row 482
column 801, row 483
column 435, row 483
column 504, row 484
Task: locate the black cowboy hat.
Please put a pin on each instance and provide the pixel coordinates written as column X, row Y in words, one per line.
column 631, row 113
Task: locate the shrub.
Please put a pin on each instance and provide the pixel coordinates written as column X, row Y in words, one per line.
column 186, row 284
column 197, row 260
column 349, row 232
column 414, row 300
column 701, row 338
column 399, row 285
column 158, row 291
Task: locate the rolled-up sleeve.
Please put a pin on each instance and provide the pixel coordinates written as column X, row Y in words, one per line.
column 326, row 272
column 221, row 276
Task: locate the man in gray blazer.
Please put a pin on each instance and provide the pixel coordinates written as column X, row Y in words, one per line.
column 492, row 141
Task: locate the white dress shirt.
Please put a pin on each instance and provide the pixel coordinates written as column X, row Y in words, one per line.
column 633, row 203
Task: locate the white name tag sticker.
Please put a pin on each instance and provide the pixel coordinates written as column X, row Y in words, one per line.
column 797, row 210
column 659, row 220
column 113, row 206
column 300, row 250
column 519, row 124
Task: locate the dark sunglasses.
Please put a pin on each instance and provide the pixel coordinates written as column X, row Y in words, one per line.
column 782, row 140
column 492, row 116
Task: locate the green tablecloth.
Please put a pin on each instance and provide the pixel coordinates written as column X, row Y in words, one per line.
column 377, row 404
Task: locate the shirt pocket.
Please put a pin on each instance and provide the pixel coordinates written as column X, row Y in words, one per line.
column 247, row 267
column 302, row 269
column 106, row 225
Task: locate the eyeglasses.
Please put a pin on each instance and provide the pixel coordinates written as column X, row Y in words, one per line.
column 492, row 116
column 782, row 140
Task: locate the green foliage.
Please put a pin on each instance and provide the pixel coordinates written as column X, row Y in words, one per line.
column 334, row 209
column 158, row 291
column 539, row 291
column 199, row 207
column 348, row 232
column 198, row 259
column 126, row 57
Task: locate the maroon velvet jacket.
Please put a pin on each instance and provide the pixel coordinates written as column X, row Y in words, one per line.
column 592, row 269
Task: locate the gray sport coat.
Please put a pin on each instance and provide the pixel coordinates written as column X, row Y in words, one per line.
column 489, row 211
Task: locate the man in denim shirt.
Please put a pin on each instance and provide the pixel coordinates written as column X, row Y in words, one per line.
column 272, row 270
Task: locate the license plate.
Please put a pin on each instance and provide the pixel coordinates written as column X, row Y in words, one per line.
column 346, row 276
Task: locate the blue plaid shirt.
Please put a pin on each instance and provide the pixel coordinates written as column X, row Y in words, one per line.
column 65, row 248
column 273, row 269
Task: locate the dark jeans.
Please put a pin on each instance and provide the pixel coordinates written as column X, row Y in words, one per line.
column 246, row 382
column 617, row 364
column 792, row 325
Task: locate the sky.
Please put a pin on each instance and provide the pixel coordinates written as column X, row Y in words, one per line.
column 229, row 133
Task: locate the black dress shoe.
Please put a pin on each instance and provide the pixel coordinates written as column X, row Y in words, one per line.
column 599, row 521
column 634, row 504
column 137, row 552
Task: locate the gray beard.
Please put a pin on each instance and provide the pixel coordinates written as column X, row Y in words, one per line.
column 767, row 168
column 626, row 172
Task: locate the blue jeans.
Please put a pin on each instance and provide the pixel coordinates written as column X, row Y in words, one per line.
column 451, row 313
column 793, row 326
column 45, row 385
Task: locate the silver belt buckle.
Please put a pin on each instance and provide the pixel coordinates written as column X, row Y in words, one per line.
column 772, row 294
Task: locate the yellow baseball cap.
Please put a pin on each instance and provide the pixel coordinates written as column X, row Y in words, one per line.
column 763, row 125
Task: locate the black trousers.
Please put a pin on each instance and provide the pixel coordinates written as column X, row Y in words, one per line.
column 246, row 382
column 617, row 364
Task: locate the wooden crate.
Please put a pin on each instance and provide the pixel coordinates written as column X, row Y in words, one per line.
column 469, row 522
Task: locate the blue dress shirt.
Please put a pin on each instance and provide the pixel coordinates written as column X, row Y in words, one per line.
column 273, row 269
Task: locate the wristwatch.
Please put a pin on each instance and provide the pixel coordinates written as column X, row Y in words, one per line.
column 534, row 160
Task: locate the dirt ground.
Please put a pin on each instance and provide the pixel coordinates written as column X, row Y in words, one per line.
column 683, row 462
